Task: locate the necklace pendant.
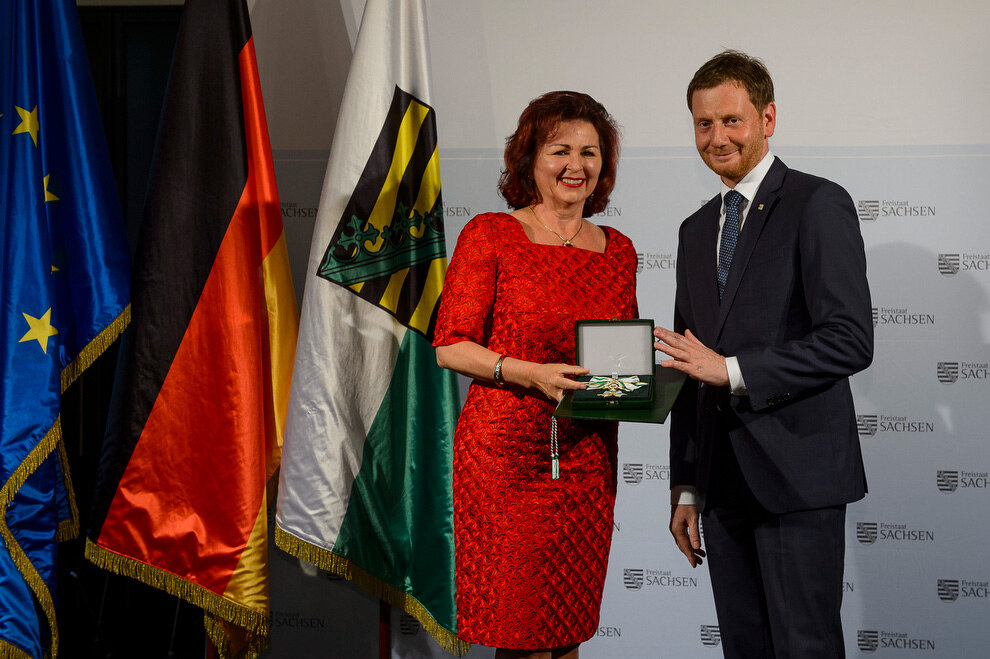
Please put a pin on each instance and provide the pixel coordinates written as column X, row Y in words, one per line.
column 567, row 241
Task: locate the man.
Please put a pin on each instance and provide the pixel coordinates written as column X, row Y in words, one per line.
column 772, row 317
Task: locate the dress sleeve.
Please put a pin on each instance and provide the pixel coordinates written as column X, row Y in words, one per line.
column 469, row 287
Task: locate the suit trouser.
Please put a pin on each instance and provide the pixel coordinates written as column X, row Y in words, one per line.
column 777, row 578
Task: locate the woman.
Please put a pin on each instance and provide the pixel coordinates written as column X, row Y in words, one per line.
column 531, row 549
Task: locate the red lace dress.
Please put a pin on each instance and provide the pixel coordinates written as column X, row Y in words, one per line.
column 530, row 551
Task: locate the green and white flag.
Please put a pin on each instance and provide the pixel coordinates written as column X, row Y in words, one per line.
column 365, row 486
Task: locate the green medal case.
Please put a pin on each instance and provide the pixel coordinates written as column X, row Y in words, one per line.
column 623, row 348
column 619, row 354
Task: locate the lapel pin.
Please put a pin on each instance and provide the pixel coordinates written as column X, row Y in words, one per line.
column 760, row 207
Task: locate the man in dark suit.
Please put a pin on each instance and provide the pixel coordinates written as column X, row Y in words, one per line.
column 772, row 317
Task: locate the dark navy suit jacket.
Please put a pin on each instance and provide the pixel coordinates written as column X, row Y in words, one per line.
column 796, row 313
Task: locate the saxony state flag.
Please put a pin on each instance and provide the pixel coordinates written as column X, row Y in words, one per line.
column 365, row 486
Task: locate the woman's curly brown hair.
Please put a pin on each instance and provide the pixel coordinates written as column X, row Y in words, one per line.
column 537, row 124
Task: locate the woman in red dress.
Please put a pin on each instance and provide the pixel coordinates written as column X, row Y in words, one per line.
column 532, row 531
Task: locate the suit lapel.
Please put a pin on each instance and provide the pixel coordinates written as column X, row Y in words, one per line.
column 704, row 299
column 759, row 211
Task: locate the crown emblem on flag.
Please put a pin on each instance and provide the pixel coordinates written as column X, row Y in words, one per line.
column 389, row 245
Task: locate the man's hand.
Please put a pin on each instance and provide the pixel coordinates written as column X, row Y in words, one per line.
column 692, row 357
column 684, row 528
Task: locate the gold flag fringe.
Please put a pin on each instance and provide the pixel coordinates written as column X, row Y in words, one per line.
column 38, row 455
column 254, row 621
column 327, row 560
column 8, row 651
column 214, row 629
column 68, row 529
column 95, row 348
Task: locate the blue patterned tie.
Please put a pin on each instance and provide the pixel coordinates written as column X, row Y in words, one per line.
column 730, row 236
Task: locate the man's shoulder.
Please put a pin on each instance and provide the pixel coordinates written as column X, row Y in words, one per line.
column 810, row 196
column 794, row 180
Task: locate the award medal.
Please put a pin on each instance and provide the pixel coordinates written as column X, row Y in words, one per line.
column 615, row 387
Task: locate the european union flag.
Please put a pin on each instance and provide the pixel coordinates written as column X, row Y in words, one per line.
column 64, row 273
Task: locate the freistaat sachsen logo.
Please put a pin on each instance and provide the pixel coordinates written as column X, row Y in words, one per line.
column 632, row 473
column 868, row 209
column 866, row 424
column 948, row 590
column 711, row 636
column 868, row 640
column 947, row 372
column 632, row 578
column 948, row 264
column 947, row 481
column 867, row 532
column 871, row 640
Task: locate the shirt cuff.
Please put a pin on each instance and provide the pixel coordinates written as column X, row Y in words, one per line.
column 736, row 383
column 684, row 495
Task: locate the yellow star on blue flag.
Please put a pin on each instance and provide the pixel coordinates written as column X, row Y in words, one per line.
column 41, row 329
column 53, row 323
column 29, row 123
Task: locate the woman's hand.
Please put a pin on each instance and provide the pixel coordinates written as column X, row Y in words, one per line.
column 555, row 379
column 475, row 361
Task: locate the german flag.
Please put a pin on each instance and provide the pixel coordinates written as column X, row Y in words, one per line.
column 199, row 404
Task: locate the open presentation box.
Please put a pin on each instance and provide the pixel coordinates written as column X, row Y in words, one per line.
column 624, row 383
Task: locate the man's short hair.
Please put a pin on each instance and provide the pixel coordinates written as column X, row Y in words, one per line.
column 733, row 66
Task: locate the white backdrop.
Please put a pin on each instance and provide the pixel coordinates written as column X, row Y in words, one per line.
column 886, row 98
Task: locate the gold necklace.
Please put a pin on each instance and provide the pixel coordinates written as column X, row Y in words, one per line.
column 568, row 242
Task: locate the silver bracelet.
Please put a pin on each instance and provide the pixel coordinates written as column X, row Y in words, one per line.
column 497, row 376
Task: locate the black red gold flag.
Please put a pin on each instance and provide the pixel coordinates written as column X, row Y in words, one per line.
column 199, row 403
